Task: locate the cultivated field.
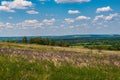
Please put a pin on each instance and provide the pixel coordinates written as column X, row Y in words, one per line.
column 37, row 62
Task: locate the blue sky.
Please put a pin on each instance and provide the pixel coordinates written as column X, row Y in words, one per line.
column 59, row 17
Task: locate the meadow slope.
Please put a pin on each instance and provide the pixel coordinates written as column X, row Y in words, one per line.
column 37, row 62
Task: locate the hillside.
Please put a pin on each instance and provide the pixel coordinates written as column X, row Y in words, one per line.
column 63, row 37
column 38, row 62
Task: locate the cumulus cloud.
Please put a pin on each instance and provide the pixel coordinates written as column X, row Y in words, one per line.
column 71, row 27
column 26, row 24
column 99, row 17
column 71, row 1
column 9, row 25
column 1, row 24
column 31, row 21
column 32, row 12
column 43, row 1
column 6, row 9
column 35, row 23
column 73, row 11
column 69, row 20
column 82, row 18
column 6, row 25
column 111, row 16
column 10, row 17
column 29, row 24
column 103, row 9
column 49, row 21
column 106, row 18
column 9, row 6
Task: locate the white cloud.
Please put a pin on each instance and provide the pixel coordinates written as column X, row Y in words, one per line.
column 6, row 9
column 106, row 18
column 6, row 25
column 35, row 23
column 73, row 11
column 103, row 9
column 49, row 21
column 111, row 16
column 82, row 18
column 8, row 6
column 99, row 17
column 31, row 21
column 71, row 27
column 69, row 20
column 32, row 12
column 10, row 17
column 1, row 24
column 43, row 1
column 71, row 1
column 29, row 24
column 26, row 24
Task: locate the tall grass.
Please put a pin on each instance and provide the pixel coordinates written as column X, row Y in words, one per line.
column 14, row 67
column 50, row 64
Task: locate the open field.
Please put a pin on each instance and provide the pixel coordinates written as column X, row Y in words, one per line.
column 37, row 62
column 59, row 39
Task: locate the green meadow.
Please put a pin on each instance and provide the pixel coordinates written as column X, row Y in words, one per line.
column 38, row 62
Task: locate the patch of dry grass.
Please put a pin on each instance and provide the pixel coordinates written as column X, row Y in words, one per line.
column 54, row 48
column 38, row 62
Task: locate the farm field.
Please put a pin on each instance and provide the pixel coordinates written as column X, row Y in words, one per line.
column 38, row 62
column 59, row 39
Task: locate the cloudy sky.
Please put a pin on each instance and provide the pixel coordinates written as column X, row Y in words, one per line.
column 59, row 17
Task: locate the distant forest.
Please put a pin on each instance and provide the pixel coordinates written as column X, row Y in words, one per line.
column 40, row 41
column 109, row 43
column 94, row 42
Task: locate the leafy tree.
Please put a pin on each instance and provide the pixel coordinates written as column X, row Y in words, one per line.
column 45, row 41
column 63, row 44
column 24, row 40
column 36, row 40
column 52, row 42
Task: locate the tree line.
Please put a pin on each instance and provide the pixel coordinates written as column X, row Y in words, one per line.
column 45, row 41
column 100, row 43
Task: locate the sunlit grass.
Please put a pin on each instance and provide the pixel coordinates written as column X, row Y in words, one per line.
column 37, row 62
column 21, row 68
column 54, row 48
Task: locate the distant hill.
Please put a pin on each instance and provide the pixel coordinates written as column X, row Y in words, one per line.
column 59, row 37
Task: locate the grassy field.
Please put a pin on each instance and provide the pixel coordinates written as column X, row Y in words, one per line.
column 37, row 62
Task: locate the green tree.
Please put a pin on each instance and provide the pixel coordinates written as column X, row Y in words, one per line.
column 37, row 40
column 24, row 40
column 51, row 42
column 46, row 41
column 63, row 44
